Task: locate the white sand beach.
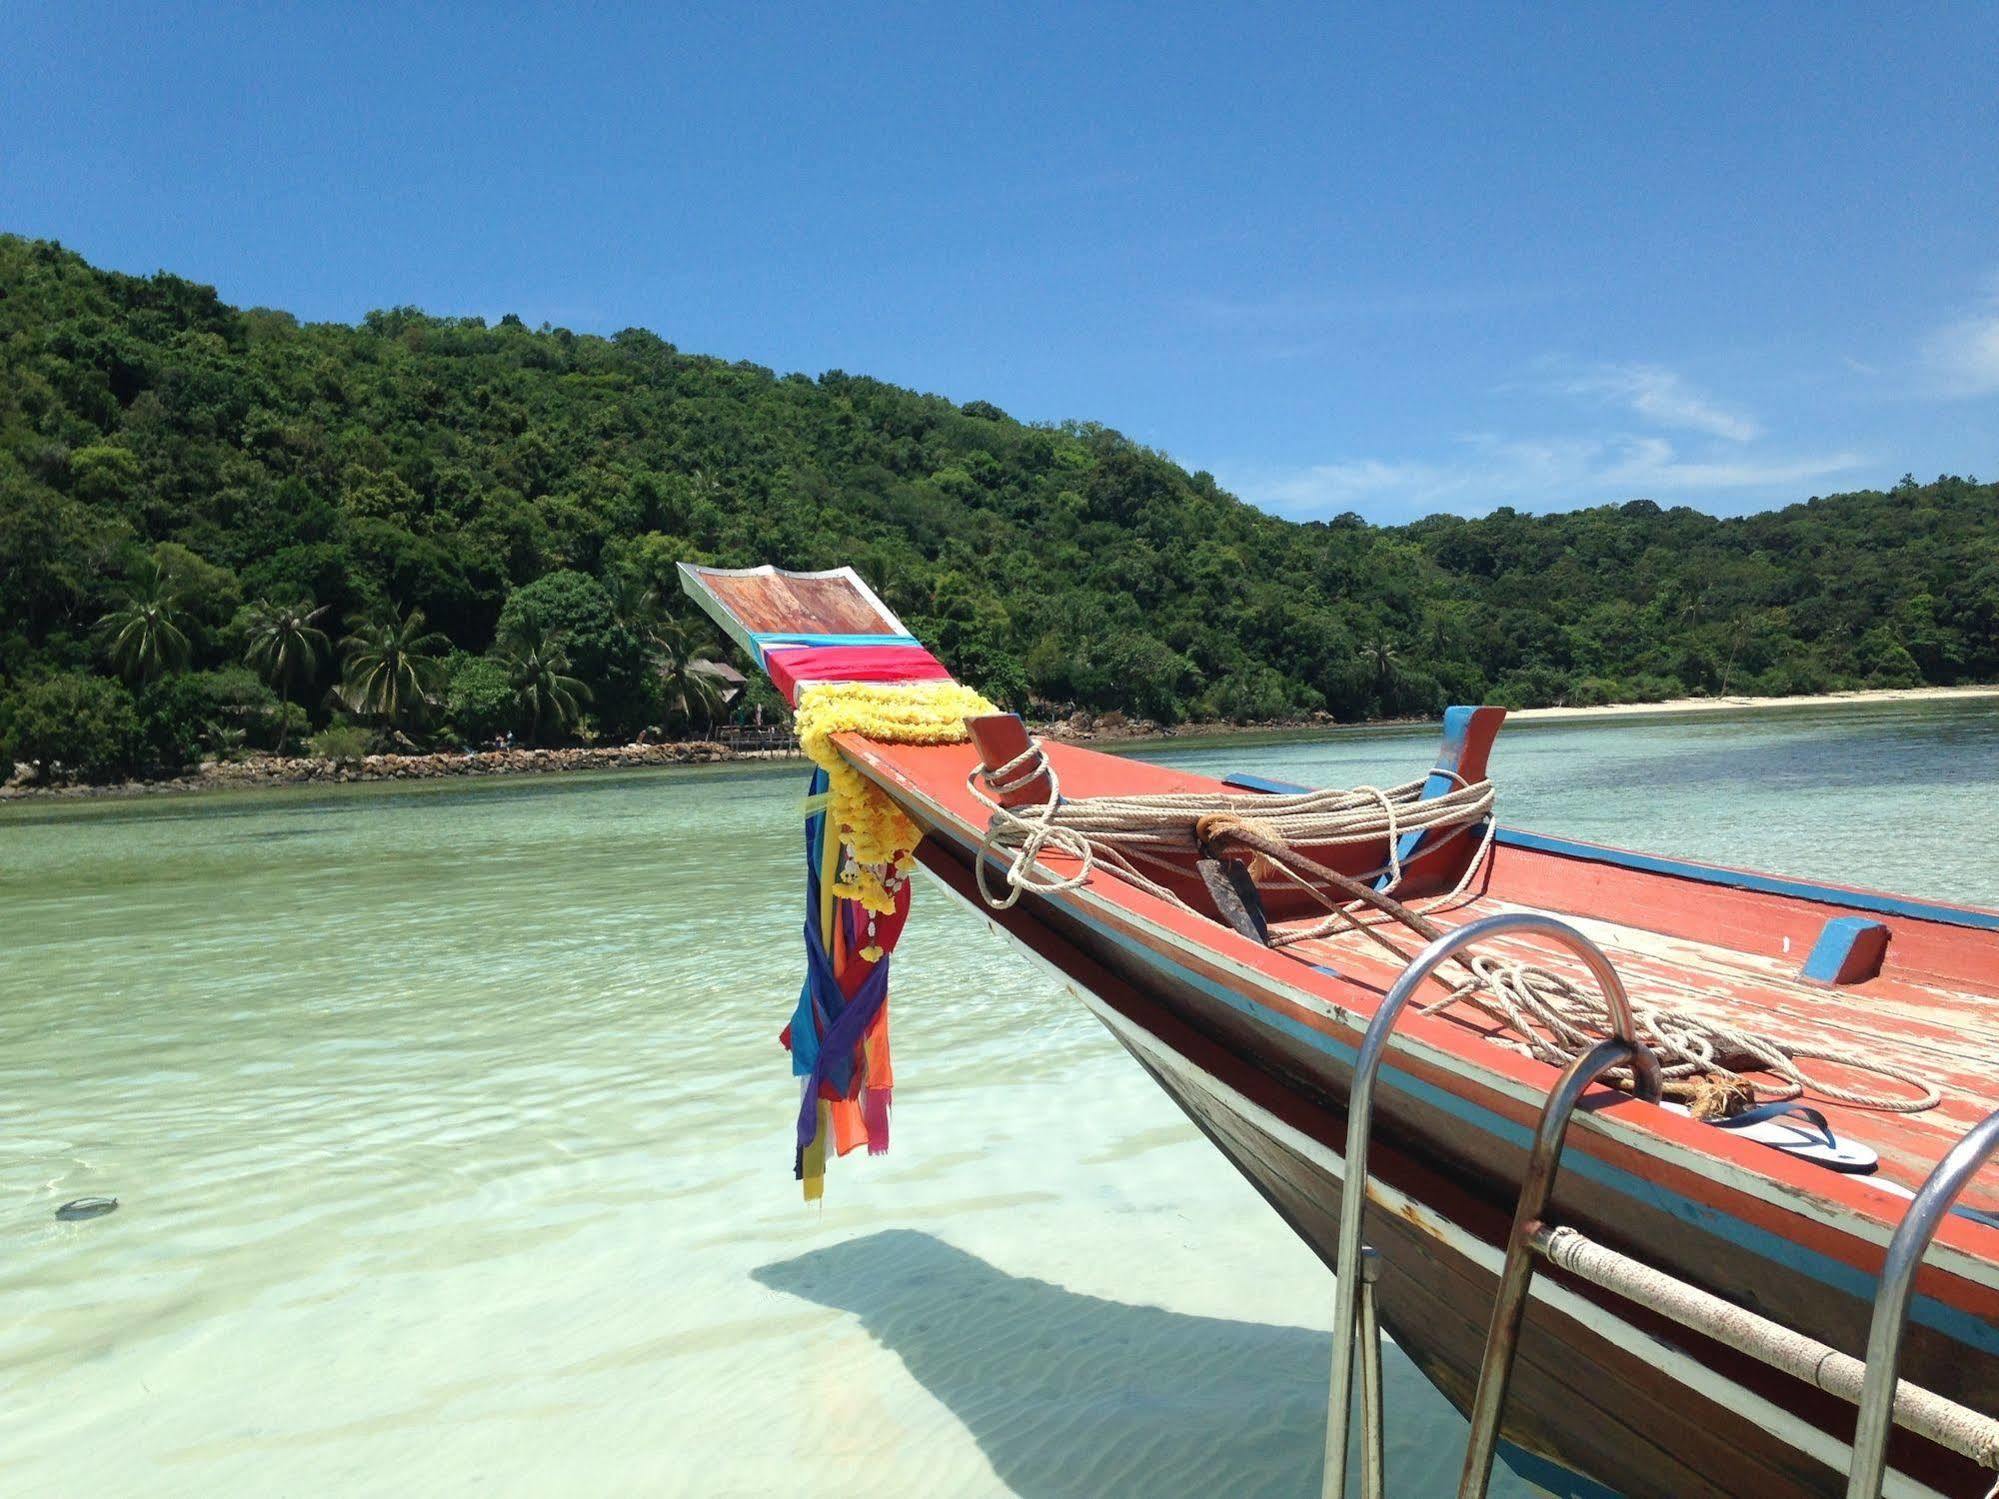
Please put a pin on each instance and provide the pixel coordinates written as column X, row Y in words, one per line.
column 1742, row 704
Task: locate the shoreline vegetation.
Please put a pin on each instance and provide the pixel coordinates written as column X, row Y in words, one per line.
column 234, row 538
column 268, row 772
column 264, row 772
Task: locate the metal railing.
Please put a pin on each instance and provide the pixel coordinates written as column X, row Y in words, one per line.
column 1893, row 1297
column 1509, row 1307
column 1360, row 1124
column 1883, row 1400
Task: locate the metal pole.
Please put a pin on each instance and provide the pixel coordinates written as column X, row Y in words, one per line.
column 1509, row 1307
column 1333, row 1476
column 1360, row 1123
column 1373, row 1416
column 1891, row 1302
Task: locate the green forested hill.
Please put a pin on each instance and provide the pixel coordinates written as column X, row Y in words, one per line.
column 175, row 474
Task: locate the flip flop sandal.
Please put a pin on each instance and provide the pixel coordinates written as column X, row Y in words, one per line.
column 1796, row 1130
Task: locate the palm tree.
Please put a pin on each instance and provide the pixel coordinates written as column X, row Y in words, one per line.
column 538, row 667
column 146, row 634
column 1440, row 634
column 283, row 643
column 675, row 655
column 1380, row 651
column 634, row 602
column 391, row 665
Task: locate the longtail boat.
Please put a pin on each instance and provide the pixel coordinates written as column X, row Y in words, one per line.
column 1670, row 1170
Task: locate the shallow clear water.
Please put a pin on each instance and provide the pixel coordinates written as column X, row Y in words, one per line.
column 451, row 1136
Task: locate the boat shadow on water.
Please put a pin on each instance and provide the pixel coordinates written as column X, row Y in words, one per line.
column 1071, row 1394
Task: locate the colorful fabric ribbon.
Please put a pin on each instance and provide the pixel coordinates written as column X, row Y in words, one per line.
column 795, row 667
column 859, row 851
column 838, row 1036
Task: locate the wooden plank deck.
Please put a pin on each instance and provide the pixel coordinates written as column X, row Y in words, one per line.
column 1948, row 1035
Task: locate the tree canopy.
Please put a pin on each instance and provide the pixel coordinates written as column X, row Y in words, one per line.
column 172, row 469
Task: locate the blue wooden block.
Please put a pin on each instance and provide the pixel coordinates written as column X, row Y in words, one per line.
column 1242, row 780
column 1849, row 951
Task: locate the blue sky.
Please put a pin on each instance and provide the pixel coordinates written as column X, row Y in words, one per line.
column 1362, row 260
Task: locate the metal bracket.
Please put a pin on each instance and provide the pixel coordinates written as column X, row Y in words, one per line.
column 1509, row 1307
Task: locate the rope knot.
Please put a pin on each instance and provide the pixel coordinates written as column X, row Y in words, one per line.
column 1263, row 838
column 1020, row 771
column 1025, row 831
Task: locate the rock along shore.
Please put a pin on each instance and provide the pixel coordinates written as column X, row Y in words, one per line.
column 303, row 770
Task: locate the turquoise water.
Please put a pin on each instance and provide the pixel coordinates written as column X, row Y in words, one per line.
column 451, row 1136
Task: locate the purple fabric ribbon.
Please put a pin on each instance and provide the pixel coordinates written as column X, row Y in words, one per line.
column 840, row 1035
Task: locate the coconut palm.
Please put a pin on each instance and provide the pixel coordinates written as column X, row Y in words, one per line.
column 538, row 667
column 391, row 665
column 676, row 653
column 282, row 644
column 145, row 635
column 1380, row 652
column 634, row 602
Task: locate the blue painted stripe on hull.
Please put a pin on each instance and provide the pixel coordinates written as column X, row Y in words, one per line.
column 1760, row 1242
column 787, row 637
column 1244, row 781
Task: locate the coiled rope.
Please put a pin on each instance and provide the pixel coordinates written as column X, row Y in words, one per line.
column 1550, row 1017
column 1127, row 832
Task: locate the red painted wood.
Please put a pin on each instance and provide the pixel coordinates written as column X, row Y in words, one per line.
column 1748, row 920
column 795, row 667
column 1002, row 738
column 1737, row 920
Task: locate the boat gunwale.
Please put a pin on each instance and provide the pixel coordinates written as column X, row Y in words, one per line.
column 1729, row 1166
column 1790, row 887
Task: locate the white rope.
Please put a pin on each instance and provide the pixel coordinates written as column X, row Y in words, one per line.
column 1160, row 830
column 1941, row 1420
column 1551, row 1018
column 1556, row 1021
column 1026, row 836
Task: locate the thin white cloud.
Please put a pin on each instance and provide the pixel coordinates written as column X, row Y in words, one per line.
column 1320, row 490
column 1964, row 355
column 1533, row 474
column 1684, row 448
column 1662, row 398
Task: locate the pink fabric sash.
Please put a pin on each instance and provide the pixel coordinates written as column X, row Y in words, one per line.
column 794, row 666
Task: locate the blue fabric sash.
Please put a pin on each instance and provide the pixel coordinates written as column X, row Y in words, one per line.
column 845, row 1023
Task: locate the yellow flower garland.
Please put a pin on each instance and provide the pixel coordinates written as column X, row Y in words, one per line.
column 877, row 833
